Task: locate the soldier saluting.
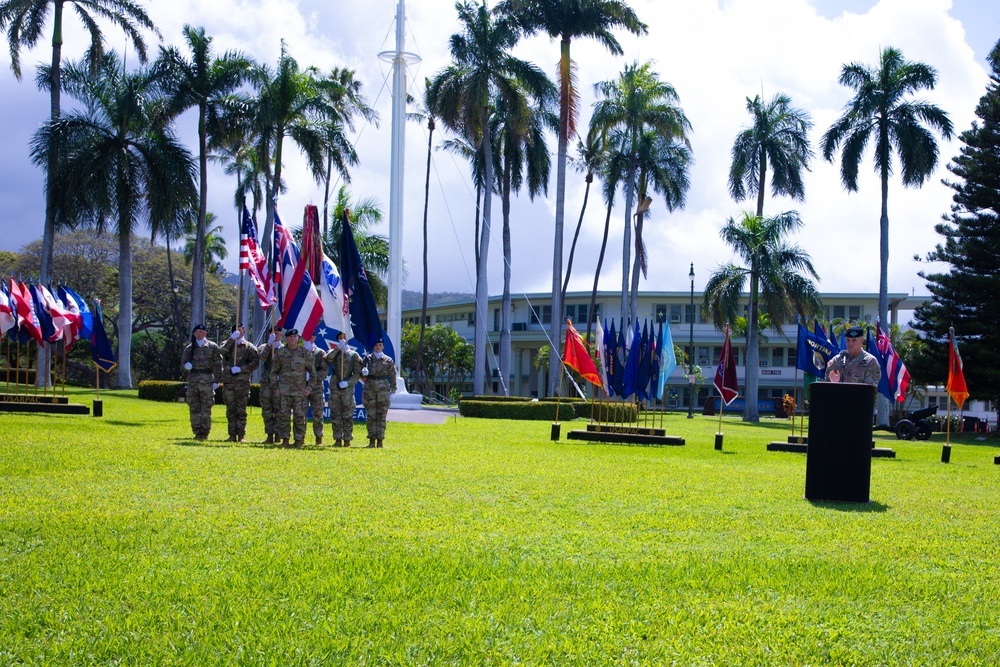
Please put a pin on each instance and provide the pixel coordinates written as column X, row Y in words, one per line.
column 203, row 364
column 379, row 372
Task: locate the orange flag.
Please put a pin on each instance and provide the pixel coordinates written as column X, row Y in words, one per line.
column 956, row 375
column 577, row 357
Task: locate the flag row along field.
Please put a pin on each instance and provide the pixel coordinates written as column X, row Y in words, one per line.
column 123, row 541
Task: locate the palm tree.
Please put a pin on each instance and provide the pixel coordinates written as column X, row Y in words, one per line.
column 24, row 21
column 482, row 71
column 373, row 248
column 201, row 82
column 774, row 270
column 636, row 102
column 119, row 162
column 662, row 167
column 567, row 20
column 882, row 110
column 883, row 113
column 214, row 244
column 341, row 101
column 521, row 155
column 779, row 135
column 590, row 155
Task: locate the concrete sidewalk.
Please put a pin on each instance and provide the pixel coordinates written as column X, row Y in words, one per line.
column 422, row 416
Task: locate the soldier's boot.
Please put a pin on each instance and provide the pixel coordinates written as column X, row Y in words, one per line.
column 337, row 443
column 284, row 442
column 379, row 442
column 231, row 438
column 200, row 436
column 269, row 440
column 319, row 440
column 347, row 443
column 298, row 443
column 371, row 443
column 241, row 437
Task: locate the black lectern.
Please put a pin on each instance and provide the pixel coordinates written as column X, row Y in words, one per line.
column 839, row 458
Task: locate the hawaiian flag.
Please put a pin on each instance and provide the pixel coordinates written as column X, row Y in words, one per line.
column 297, row 300
column 894, row 370
column 577, row 356
column 725, row 374
column 252, row 260
column 8, row 318
column 957, row 388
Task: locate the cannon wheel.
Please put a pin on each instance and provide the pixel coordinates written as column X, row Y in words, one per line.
column 904, row 429
column 924, row 430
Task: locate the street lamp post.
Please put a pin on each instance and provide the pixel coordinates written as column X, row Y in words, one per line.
column 691, row 349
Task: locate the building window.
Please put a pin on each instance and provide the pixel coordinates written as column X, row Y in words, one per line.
column 703, row 359
column 544, row 311
column 659, row 312
column 839, row 312
column 778, row 356
column 675, row 313
column 854, row 313
column 688, row 314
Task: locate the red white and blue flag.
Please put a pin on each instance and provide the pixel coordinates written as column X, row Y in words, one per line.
column 8, row 319
column 895, row 372
column 62, row 319
column 252, row 261
column 27, row 318
column 298, row 302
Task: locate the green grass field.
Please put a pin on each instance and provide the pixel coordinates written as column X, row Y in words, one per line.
column 125, row 542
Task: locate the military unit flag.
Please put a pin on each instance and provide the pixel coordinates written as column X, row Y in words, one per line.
column 577, row 356
column 956, row 372
column 100, row 346
column 725, row 373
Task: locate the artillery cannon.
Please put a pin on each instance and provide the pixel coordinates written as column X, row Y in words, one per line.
column 915, row 424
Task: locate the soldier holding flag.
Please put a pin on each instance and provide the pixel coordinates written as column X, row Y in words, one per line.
column 346, row 365
column 270, row 401
column 315, row 398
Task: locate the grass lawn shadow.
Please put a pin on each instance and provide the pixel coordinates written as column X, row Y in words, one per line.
column 872, row 506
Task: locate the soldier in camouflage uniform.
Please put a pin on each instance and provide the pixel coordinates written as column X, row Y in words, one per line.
column 316, row 399
column 270, row 402
column 346, row 365
column 236, row 381
column 293, row 364
column 203, row 364
column 854, row 364
column 379, row 371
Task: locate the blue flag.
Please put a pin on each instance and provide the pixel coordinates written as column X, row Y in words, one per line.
column 610, row 355
column 668, row 360
column 365, row 320
column 814, row 351
column 642, row 371
column 631, row 375
column 100, row 346
column 656, row 344
column 86, row 317
column 44, row 318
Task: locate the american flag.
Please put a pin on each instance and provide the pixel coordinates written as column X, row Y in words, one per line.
column 895, row 372
column 253, row 261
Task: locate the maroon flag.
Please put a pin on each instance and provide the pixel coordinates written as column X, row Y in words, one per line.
column 725, row 374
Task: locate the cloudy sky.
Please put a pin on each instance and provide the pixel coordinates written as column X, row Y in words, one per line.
column 716, row 53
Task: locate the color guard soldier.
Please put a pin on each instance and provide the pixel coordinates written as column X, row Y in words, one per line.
column 316, row 399
column 346, row 365
column 270, row 402
column 239, row 358
column 293, row 365
column 203, row 364
column 379, row 371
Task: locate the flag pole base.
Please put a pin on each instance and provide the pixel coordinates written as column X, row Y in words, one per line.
column 555, row 431
column 718, row 441
column 945, row 453
column 98, row 407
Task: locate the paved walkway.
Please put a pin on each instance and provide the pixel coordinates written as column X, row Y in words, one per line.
column 422, row 416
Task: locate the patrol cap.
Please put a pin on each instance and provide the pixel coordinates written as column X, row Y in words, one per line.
column 291, row 332
column 199, row 327
column 854, row 332
column 341, row 333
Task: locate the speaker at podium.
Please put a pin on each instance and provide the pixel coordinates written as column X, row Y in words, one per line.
column 839, row 458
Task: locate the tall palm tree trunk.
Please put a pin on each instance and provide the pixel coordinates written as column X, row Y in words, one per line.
column 482, row 286
column 627, row 243
column 557, row 245
column 326, row 201
column 42, row 379
column 505, row 352
column 124, row 300
column 423, row 301
column 576, row 235
column 752, row 365
column 881, row 401
column 761, row 182
column 597, row 272
column 636, row 265
column 198, row 260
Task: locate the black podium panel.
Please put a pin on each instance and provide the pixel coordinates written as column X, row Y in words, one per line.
column 839, row 459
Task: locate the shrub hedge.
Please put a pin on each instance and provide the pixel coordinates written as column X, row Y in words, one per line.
column 172, row 390
column 515, row 410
